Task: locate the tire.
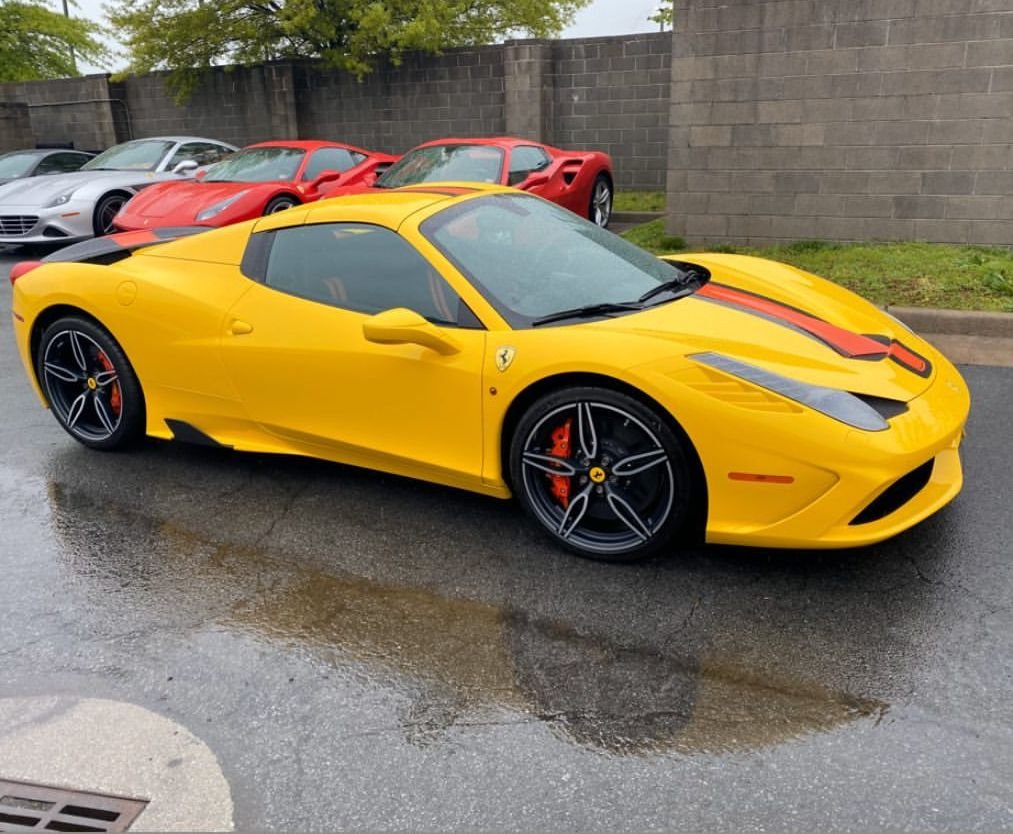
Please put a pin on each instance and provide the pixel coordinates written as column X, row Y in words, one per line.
column 645, row 495
column 599, row 210
column 92, row 390
column 105, row 210
column 280, row 203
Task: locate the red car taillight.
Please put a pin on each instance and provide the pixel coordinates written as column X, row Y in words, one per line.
column 21, row 268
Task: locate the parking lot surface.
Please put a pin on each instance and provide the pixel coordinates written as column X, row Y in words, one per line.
column 362, row 652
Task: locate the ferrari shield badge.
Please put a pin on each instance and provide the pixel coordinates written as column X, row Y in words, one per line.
column 504, row 357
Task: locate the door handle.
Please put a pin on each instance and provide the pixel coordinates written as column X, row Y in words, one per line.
column 240, row 328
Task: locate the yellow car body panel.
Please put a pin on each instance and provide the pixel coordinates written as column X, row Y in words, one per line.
column 256, row 369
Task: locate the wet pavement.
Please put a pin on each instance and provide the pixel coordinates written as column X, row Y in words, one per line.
column 365, row 652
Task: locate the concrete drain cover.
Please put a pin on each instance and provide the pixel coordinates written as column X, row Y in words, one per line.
column 28, row 807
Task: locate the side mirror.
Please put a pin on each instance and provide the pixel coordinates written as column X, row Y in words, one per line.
column 401, row 326
column 185, row 166
column 324, row 177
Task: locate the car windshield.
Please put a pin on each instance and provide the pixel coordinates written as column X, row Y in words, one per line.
column 445, row 163
column 257, row 165
column 533, row 260
column 17, row 164
column 140, row 155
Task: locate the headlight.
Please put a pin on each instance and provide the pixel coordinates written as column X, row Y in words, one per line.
column 840, row 405
column 61, row 199
column 219, row 207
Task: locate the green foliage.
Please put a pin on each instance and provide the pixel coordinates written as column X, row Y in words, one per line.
column 651, row 236
column 905, row 274
column 38, row 43
column 186, row 36
column 639, row 201
column 665, row 15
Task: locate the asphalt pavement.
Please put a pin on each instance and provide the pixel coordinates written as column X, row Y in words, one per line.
column 357, row 651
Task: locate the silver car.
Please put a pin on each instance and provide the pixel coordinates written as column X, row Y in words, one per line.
column 40, row 162
column 69, row 207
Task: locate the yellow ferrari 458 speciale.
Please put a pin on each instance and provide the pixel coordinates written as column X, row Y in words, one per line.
column 483, row 338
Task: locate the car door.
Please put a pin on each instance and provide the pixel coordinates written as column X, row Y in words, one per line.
column 295, row 347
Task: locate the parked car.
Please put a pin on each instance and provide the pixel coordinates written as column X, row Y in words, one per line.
column 485, row 339
column 259, row 179
column 68, row 207
column 578, row 180
column 37, row 162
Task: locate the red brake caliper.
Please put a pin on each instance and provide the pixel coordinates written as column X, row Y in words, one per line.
column 115, row 402
column 561, row 449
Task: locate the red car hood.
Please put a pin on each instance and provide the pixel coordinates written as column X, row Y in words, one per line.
column 182, row 201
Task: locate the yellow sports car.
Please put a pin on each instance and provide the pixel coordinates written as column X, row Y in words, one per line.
column 484, row 338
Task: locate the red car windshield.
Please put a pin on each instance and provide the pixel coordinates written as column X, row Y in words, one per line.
column 257, row 165
column 445, row 163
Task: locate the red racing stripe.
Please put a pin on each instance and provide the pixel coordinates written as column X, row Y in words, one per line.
column 846, row 343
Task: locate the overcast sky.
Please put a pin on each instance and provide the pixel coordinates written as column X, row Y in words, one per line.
column 602, row 17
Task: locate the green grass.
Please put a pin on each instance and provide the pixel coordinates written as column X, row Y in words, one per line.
column 906, row 274
column 639, row 201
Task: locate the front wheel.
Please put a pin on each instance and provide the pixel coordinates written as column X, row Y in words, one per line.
column 91, row 387
column 603, row 473
column 106, row 210
column 600, row 209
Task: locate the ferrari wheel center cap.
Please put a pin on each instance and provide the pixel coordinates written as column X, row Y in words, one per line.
column 92, row 383
column 597, row 474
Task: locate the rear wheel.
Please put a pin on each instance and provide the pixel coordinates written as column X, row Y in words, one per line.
column 603, row 473
column 106, row 210
column 91, row 387
column 280, row 204
column 600, row 209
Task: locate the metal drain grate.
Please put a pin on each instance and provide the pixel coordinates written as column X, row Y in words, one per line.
column 28, row 807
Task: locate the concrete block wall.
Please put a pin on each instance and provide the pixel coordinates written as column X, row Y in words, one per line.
column 15, row 127
column 236, row 104
column 74, row 110
column 612, row 94
column 458, row 93
column 842, row 120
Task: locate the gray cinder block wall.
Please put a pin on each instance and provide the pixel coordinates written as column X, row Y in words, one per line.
column 596, row 93
column 842, row 120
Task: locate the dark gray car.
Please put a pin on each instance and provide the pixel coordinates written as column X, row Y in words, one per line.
column 34, row 163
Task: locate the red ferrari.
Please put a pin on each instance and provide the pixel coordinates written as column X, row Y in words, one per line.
column 578, row 180
column 257, row 180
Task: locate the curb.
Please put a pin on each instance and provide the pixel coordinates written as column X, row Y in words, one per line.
column 955, row 322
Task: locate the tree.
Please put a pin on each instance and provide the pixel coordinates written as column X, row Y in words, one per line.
column 36, row 42
column 664, row 16
column 189, row 35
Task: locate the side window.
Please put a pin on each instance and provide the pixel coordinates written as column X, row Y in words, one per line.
column 331, row 159
column 203, row 153
column 358, row 267
column 524, row 160
column 61, row 163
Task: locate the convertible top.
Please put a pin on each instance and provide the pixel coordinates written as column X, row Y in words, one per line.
column 113, row 248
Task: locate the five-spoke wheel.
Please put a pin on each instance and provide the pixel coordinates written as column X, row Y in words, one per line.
column 600, row 209
column 91, row 388
column 602, row 472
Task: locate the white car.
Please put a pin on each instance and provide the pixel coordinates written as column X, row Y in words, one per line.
column 69, row 207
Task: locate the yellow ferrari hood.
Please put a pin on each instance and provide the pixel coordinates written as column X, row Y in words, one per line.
column 786, row 321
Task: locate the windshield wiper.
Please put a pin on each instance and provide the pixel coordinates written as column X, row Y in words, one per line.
column 588, row 311
column 681, row 286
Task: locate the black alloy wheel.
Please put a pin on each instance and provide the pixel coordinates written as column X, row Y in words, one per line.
column 603, row 473
column 91, row 387
column 106, row 210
